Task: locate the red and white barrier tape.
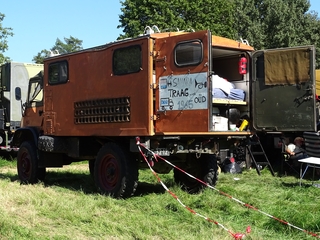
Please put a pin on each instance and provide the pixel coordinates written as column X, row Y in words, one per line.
column 9, row 149
column 235, row 235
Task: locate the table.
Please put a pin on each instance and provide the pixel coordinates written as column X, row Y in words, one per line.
column 313, row 162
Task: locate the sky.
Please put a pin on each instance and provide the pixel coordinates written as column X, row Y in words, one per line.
column 37, row 24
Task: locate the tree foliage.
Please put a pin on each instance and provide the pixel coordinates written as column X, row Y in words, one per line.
column 177, row 14
column 270, row 24
column 264, row 23
column 5, row 32
column 69, row 45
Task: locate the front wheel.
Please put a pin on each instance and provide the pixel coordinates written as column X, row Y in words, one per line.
column 27, row 164
column 114, row 173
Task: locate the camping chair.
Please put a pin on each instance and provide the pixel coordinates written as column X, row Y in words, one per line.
column 286, row 159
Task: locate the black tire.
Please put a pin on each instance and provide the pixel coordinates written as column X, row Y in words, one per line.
column 114, row 173
column 211, row 169
column 205, row 168
column 27, row 164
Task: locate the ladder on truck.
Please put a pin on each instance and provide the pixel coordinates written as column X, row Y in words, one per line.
column 255, row 149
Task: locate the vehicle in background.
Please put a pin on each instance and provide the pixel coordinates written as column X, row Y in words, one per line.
column 14, row 80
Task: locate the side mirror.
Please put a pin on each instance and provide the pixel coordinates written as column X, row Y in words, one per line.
column 18, row 93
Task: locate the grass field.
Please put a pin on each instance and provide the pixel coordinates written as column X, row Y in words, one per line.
column 67, row 206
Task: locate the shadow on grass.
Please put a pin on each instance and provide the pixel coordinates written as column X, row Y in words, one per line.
column 71, row 181
column 145, row 188
column 9, row 156
column 13, row 177
column 84, row 183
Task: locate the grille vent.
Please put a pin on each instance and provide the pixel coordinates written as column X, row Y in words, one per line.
column 108, row 110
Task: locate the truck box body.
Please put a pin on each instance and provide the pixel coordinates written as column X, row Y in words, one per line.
column 96, row 100
column 91, row 94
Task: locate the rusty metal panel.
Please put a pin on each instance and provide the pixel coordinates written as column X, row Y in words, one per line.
column 91, row 78
column 49, row 123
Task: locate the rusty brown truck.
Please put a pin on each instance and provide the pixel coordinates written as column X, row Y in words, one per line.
column 186, row 95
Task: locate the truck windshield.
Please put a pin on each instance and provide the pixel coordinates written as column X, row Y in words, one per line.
column 35, row 92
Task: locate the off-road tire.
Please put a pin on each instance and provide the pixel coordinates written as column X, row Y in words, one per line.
column 27, row 164
column 204, row 168
column 114, row 173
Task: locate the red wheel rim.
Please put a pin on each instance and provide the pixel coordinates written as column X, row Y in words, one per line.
column 25, row 165
column 109, row 172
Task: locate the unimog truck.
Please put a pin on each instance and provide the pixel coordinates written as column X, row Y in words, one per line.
column 188, row 96
column 14, row 79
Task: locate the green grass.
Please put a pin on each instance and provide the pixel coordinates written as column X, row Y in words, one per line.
column 67, row 206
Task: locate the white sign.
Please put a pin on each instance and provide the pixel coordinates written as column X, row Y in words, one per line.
column 184, row 92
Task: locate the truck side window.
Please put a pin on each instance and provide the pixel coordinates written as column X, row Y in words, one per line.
column 188, row 53
column 58, row 72
column 127, row 60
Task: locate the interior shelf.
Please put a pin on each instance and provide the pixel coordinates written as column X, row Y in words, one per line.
column 228, row 101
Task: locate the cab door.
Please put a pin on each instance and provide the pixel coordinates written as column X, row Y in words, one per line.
column 182, row 96
column 283, row 89
column 34, row 106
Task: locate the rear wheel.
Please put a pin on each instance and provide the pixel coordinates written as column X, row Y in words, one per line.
column 114, row 173
column 27, row 164
column 204, row 168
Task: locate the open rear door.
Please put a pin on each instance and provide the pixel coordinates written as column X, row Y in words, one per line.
column 182, row 98
column 283, row 89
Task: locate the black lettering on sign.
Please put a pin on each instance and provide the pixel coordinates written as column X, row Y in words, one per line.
column 200, row 85
column 200, row 99
column 178, row 93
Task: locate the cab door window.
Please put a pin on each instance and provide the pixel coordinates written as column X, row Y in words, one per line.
column 35, row 93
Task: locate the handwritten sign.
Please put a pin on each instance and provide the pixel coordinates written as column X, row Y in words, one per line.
column 184, row 92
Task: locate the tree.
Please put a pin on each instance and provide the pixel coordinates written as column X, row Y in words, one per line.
column 71, row 45
column 248, row 22
column 4, row 34
column 270, row 24
column 216, row 15
column 264, row 23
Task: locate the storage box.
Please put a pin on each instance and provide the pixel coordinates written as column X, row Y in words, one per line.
column 219, row 123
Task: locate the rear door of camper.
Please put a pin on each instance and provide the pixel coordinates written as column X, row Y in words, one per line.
column 283, row 89
column 182, row 96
